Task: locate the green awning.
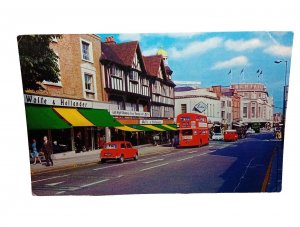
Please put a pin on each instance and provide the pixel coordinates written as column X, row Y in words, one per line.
column 100, row 118
column 165, row 127
column 43, row 117
column 140, row 127
column 173, row 126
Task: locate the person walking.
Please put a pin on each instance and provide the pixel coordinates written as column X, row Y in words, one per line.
column 48, row 150
column 35, row 153
column 78, row 143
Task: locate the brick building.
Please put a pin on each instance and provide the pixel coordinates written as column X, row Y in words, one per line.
column 71, row 104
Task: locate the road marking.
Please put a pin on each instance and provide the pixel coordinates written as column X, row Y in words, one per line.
column 156, row 160
column 58, row 193
column 53, row 184
column 120, row 176
column 153, row 167
column 94, row 183
column 268, row 173
column 106, row 167
column 50, row 178
column 202, row 154
column 242, row 177
column 144, row 159
column 179, row 160
column 192, row 152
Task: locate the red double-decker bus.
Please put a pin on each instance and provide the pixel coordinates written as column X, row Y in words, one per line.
column 193, row 130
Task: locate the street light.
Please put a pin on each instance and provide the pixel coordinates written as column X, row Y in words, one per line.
column 284, row 93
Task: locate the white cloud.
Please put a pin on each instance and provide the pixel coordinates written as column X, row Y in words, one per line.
column 241, row 45
column 183, row 35
column 234, row 62
column 197, row 47
column 150, row 51
column 279, row 50
column 130, row 37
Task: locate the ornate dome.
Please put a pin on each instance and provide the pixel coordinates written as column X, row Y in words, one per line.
column 162, row 52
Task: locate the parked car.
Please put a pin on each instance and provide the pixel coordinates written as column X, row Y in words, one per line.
column 217, row 136
column 230, row 135
column 250, row 131
column 118, row 150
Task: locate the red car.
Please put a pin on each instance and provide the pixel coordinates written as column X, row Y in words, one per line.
column 118, row 150
column 230, row 135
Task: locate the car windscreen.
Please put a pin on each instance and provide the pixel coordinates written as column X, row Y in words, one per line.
column 110, row 146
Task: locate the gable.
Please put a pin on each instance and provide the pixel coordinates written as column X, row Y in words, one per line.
column 136, row 62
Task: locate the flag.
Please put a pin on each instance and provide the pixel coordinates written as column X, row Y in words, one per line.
column 261, row 72
column 229, row 72
column 242, row 71
column 258, row 71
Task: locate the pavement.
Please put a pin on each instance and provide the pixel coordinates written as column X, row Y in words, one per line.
column 70, row 159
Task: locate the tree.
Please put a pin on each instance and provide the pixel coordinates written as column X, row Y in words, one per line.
column 38, row 61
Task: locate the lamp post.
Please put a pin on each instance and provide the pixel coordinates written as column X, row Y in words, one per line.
column 284, row 93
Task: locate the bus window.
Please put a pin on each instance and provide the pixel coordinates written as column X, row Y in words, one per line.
column 187, row 132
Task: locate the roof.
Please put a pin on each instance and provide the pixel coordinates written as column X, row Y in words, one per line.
column 122, row 53
column 180, row 89
column 152, row 64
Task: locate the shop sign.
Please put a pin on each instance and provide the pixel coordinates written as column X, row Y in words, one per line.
column 151, row 122
column 200, row 107
column 50, row 101
column 128, row 113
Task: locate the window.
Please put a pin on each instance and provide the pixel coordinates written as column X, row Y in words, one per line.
column 222, row 104
column 86, row 50
column 253, row 110
column 229, row 117
column 134, row 76
column 245, row 109
column 88, row 82
column 223, row 115
column 183, row 108
column 123, row 145
column 229, row 103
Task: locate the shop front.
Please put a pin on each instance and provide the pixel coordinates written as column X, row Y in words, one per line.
column 66, row 121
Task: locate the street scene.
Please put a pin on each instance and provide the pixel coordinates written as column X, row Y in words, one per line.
column 117, row 114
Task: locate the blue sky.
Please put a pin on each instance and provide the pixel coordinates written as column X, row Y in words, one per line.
column 209, row 57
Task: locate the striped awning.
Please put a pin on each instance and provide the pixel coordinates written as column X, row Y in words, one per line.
column 128, row 129
column 43, row 117
column 72, row 116
column 154, row 128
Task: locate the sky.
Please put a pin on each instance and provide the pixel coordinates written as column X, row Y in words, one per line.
column 222, row 58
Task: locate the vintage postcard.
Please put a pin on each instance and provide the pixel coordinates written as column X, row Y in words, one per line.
column 116, row 114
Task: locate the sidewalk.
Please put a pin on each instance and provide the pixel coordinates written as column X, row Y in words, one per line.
column 69, row 160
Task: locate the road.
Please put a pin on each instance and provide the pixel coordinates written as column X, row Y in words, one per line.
column 240, row 166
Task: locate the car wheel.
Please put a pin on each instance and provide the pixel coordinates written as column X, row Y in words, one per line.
column 103, row 160
column 136, row 156
column 121, row 159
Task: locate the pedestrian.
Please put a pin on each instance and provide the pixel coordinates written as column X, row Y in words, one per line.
column 48, row 150
column 35, row 153
column 78, row 143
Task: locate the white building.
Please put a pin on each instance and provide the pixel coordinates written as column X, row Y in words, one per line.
column 256, row 104
column 198, row 101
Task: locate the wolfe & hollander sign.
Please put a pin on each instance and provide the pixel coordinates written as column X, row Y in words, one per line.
column 50, row 101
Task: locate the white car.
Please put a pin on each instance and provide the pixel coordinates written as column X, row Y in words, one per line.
column 217, row 136
column 250, row 131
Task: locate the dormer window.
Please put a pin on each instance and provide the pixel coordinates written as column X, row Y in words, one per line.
column 134, row 76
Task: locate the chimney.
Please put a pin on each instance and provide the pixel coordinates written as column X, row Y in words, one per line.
column 217, row 90
column 110, row 40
